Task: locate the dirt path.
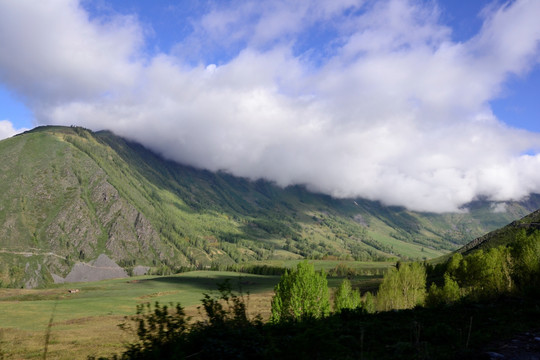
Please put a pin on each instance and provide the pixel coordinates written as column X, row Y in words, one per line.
column 31, row 253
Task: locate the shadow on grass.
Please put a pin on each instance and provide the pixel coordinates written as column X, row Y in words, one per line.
column 208, row 281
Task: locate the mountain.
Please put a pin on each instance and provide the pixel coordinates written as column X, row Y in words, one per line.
column 504, row 235
column 69, row 195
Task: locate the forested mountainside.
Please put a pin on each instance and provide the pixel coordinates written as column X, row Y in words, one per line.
column 68, row 195
column 506, row 235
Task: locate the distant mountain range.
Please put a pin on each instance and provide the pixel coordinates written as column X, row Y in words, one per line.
column 69, row 195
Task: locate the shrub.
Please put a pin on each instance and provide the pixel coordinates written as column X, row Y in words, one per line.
column 159, row 329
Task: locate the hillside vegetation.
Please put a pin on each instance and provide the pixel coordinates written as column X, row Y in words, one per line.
column 505, row 235
column 484, row 297
column 68, row 195
column 497, row 289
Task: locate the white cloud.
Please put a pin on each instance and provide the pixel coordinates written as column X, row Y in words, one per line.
column 498, row 207
column 7, row 130
column 395, row 110
column 52, row 52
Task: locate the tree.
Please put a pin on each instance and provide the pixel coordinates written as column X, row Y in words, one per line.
column 302, row 292
column 402, row 289
column 389, row 294
column 346, row 297
column 454, row 265
column 445, row 295
column 369, row 303
column 486, row 274
column 525, row 253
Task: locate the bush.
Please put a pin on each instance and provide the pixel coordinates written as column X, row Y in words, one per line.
column 159, row 331
column 163, row 331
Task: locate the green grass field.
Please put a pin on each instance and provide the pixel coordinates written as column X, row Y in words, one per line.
column 86, row 323
column 113, row 297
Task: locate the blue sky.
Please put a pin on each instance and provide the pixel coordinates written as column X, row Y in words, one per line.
column 167, row 22
column 426, row 104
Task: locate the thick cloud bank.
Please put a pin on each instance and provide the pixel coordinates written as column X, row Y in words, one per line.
column 351, row 98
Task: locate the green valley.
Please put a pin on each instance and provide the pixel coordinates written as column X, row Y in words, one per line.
column 68, row 195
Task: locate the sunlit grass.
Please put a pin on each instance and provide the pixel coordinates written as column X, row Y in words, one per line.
column 86, row 323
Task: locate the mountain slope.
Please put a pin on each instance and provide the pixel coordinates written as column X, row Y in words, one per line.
column 56, row 199
column 68, row 195
column 505, row 235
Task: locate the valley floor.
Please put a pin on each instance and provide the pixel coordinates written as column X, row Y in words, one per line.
column 85, row 323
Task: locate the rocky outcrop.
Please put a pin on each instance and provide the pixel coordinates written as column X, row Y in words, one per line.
column 100, row 269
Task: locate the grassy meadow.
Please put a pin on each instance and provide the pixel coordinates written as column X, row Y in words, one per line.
column 86, row 323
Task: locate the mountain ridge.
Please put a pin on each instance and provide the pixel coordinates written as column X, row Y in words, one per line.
column 78, row 194
column 504, row 235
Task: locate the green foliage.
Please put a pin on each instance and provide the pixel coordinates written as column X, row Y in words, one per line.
column 342, row 270
column 446, row 295
column 510, row 268
column 301, row 293
column 256, row 269
column 164, row 335
column 346, row 297
column 454, row 264
column 158, row 329
column 526, row 262
column 486, row 274
column 444, row 333
column 228, row 308
column 402, row 288
column 369, row 303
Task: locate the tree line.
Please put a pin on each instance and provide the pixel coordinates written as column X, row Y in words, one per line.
column 302, row 300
